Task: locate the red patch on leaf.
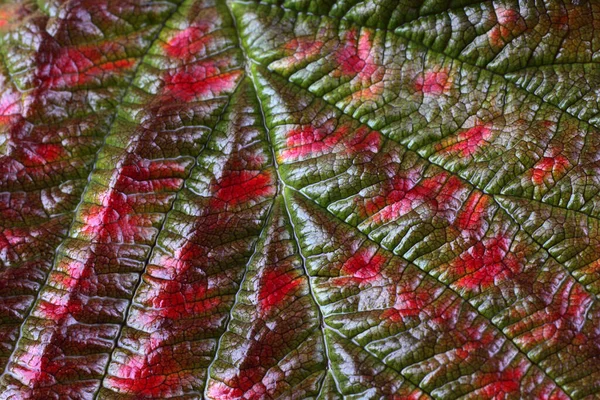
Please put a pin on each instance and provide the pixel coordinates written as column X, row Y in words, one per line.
column 470, row 220
column 250, row 382
column 303, row 48
column 474, row 341
column 408, row 304
column 274, row 288
column 499, row 385
column 355, row 57
column 188, row 43
column 469, row 141
column 434, row 82
column 151, row 176
column 113, row 220
column 199, row 81
column 436, row 191
column 238, row 187
column 364, row 265
column 81, row 65
column 310, row 141
column 548, row 167
column 510, row 23
column 153, row 375
column 562, row 321
column 41, row 154
column 484, row 263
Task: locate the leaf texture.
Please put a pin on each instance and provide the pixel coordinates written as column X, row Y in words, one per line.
column 299, row 199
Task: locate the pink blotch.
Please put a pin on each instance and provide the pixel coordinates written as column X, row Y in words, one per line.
column 172, row 296
column 407, row 304
column 81, row 65
column 220, row 391
column 187, row 43
column 41, row 154
column 302, row 48
column 175, row 300
column 548, row 167
column 199, row 81
column 147, row 177
column 238, row 187
column 469, row 141
column 510, row 22
column 310, row 141
column 364, row 266
column 436, row 191
column 60, row 307
column 500, row 385
column 474, row 342
column 154, row 375
column 274, row 288
column 471, row 218
column 484, row 263
column 434, row 82
column 562, row 321
column 10, row 104
column 355, row 57
column 112, row 220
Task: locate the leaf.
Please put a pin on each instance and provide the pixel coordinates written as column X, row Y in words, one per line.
column 299, row 199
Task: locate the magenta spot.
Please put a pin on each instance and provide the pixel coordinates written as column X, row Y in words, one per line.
column 434, row 82
column 355, row 58
column 548, row 167
column 188, row 43
column 112, row 220
column 471, row 218
column 364, row 265
column 469, row 141
column 238, row 187
column 151, row 176
column 199, row 81
column 81, row 65
column 501, row 385
column 510, row 23
column 485, row 263
column 302, row 48
column 275, row 288
column 154, row 375
column 437, row 192
column 407, row 304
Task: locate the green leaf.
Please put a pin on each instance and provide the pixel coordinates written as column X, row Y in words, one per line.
column 231, row 199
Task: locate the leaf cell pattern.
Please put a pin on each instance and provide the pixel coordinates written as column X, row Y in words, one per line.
column 299, row 199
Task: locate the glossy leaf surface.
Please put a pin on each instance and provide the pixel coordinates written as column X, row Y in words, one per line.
column 294, row 199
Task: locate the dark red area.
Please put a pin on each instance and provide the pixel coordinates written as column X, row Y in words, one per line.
column 510, row 23
column 434, row 82
column 237, row 187
column 310, row 141
column 486, row 262
column 548, row 167
column 406, row 195
column 275, row 287
column 302, row 48
column 470, row 220
column 408, row 304
column 469, row 141
column 364, row 266
column 200, row 80
column 500, row 385
column 188, row 43
column 355, row 58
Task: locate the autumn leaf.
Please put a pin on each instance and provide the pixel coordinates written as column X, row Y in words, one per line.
column 299, row 199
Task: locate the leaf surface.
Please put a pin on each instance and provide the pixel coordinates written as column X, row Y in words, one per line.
column 299, row 199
